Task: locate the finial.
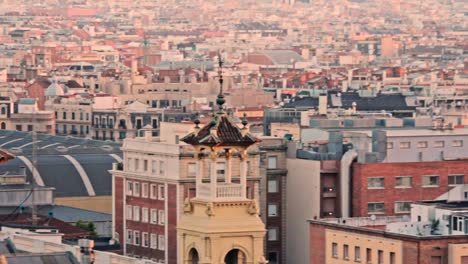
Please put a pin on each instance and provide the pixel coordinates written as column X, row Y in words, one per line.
column 220, row 100
column 244, row 120
column 197, row 120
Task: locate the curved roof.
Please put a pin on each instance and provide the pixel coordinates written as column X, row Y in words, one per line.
column 73, row 166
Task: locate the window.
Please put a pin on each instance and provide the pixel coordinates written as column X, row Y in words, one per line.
column 375, row 182
column 136, row 213
column 136, row 189
column 272, row 257
column 129, row 236
column 357, row 254
column 129, row 212
column 439, row 144
column 162, row 217
column 380, row 257
column 144, row 190
column 161, row 242
column 129, row 188
column 457, row 223
column 30, row 128
column 272, row 234
column 154, row 216
column 456, row 179
column 345, row 251
column 145, row 165
column 375, row 208
column 153, row 191
column 161, row 168
column 64, row 115
column 154, row 165
column 403, row 181
column 137, row 164
column 136, row 238
column 130, row 163
column 272, row 162
column 457, row 143
column 402, row 207
column 192, row 170
column 249, row 167
column 392, row 258
column 19, row 128
column 153, row 240
column 272, row 210
column 428, row 181
column 422, row 144
column 405, row 145
column 389, row 145
column 272, row 186
column 144, row 215
column 334, row 250
column 145, row 239
column 220, row 169
column 161, row 192
column 368, row 255
column 73, row 116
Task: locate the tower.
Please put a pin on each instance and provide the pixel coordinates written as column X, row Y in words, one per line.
column 220, row 225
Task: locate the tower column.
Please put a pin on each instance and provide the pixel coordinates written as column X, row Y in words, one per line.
column 243, row 175
column 213, row 176
column 199, row 178
column 228, row 175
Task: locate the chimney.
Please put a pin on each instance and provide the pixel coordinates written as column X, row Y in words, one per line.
column 354, row 107
column 134, row 69
column 323, row 104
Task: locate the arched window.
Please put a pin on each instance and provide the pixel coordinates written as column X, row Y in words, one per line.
column 193, row 256
column 3, row 125
column 235, row 256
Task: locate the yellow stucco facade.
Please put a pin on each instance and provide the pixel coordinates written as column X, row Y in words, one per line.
column 370, row 248
column 457, row 253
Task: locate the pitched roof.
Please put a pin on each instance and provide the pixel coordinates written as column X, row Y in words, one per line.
column 220, row 131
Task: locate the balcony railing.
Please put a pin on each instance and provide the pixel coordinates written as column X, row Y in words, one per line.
column 224, row 191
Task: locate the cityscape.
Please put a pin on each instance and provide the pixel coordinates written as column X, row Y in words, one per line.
column 234, row 132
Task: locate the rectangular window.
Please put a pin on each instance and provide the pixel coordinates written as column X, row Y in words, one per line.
column 456, row 179
column 422, row 144
column 161, row 242
column 272, row 257
column 192, row 170
column 272, row 186
column 161, row 217
column 334, row 250
column 272, row 160
column 405, row 145
column 389, row 145
column 272, row 210
column 161, row 168
column 392, row 258
column 136, row 238
column 357, row 254
column 220, row 169
column 428, row 181
column 161, row 192
column 154, row 166
column 136, row 189
column 345, row 252
column 130, row 164
column 403, row 181
column 439, row 144
column 402, row 207
column 137, row 164
column 153, row 191
column 369, row 255
column 375, row 182
column 380, row 257
column 144, row 239
column 129, row 236
column 272, row 234
column 144, row 215
column 136, row 213
column 154, row 216
column 457, row 143
column 144, row 190
column 129, row 188
column 375, row 208
column 153, row 241
column 129, row 212
column 145, row 165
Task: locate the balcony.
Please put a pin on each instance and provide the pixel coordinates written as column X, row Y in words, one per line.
column 329, row 192
column 224, row 192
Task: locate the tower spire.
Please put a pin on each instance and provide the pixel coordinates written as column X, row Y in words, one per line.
column 220, row 100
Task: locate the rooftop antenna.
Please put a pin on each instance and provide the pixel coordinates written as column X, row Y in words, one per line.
column 220, row 100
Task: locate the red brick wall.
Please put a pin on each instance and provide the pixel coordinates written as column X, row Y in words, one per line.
column 317, row 244
column 118, row 189
column 172, row 223
column 361, row 195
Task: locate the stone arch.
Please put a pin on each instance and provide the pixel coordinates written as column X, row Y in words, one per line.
column 235, row 256
column 193, row 257
column 3, row 125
